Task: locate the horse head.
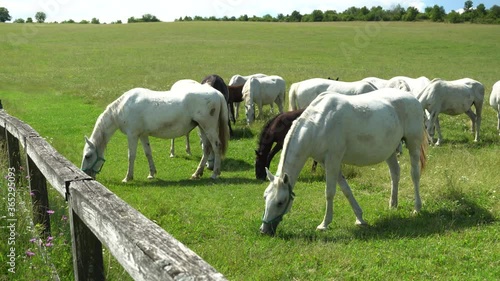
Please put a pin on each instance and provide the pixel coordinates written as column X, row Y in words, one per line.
column 92, row 161
column 279, row 198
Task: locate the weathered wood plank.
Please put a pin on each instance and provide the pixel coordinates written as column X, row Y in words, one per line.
column 88, row 263
column 143, row 248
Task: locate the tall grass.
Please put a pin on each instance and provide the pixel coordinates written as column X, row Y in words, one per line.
column 61, row 77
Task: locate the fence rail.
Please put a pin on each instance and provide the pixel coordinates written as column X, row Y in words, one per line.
column 98, row 216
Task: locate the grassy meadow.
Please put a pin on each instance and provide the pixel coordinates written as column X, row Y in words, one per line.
column 59, row 78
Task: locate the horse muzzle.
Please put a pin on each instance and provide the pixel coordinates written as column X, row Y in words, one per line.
column 269, row 228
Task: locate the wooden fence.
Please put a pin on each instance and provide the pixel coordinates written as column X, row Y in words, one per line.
column 97, row 216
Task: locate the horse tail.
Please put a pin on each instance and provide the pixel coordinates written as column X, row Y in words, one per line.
column 423, row 148
column 292, row 94
column 223, row 126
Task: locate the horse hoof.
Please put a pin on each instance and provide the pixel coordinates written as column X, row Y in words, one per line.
column 195, row 177
column 361, row 223
column 214, row 177
column 150, row 177
column 321, row 228
column 125, row 180
column 172, row 156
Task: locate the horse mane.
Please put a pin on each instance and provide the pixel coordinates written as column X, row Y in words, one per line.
column 297, row 123
column 100, row 134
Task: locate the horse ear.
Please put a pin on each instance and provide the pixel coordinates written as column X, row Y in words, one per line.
column 89, row 143
column 269, row 175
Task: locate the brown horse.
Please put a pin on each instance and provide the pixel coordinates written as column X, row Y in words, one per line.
column 234, row 98
column 274, row 131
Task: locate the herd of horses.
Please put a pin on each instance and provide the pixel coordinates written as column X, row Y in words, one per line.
column 334, row 122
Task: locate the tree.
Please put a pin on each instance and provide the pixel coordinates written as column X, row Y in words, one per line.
column 40, row 17
column 95, row 21
column 29, row 20
column 149, row 18
column 411, row 14
column 19, row 21
column 468, row 6
column 437, row 13
column 454, row 17
column 4, row 15
column 295, row 17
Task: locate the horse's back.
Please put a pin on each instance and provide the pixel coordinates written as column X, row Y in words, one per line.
column 237, row 79
column 452, row 97
column 365, row 129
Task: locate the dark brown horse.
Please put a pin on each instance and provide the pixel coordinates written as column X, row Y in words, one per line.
column 235, row 97
column 274, row 131
column 218, row 83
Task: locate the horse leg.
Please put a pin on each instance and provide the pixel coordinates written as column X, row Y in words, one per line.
column 438, row 129
column 358, row 212
column 498, row 117
column 230, row 109
column 132, row 150
column 237, row 109
column 172, row 148
column 395, row 171
column 149, row 155
column 414, row 148
column 213, row 148
column 473, row 119
column 431, row 126
column 205, row 147
column 188, row 146
column 332, row 175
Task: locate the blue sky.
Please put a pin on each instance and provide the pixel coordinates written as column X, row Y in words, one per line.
column 112, row 10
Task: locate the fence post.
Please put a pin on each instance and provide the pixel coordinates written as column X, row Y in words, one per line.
column 13, row 153
column 39, row 196
column 88, row 263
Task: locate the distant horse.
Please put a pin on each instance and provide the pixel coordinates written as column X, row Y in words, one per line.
column 239, row 80
column 495, row 101
column 262, row 91
column 140, row 113
column 452, row 98
column 325, row 132
column 302, row 93
column 273, row 132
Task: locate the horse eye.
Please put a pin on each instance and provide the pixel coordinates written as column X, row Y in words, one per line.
column 87, row 156
column 280, row 204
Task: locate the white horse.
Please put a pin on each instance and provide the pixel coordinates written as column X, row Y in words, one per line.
column 239, row 80
column 302, row 93
column 495, row 101
column 452, row 98
column 140, row 113
column 357, row 130
column 177, row 86
column 263, row 91
column 416, row 85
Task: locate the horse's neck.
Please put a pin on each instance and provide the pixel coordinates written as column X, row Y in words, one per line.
column 104, row 129
column 296, row 151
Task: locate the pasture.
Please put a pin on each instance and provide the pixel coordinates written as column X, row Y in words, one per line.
column 59, row 78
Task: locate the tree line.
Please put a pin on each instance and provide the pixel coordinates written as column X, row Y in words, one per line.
column 436, row 13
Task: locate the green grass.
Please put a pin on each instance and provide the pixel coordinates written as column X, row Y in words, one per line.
column 59, row 78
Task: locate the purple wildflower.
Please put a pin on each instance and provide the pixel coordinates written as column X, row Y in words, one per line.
column 50, row 238
column 64, row 217
column 30, row 253
column 49, row 244
column 50, row 212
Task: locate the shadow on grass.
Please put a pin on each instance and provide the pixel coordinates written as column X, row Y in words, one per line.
column 230, row 164
column 242, row 133
column 204, row 181
column 465, row 213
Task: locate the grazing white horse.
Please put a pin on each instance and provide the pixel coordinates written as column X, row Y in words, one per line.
column 140, row 113
column 263, row 91
column 177, row 86
column 452, row 98
column 495, row 101
column 302, row 93
column 239, row 80
column 357, row 130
